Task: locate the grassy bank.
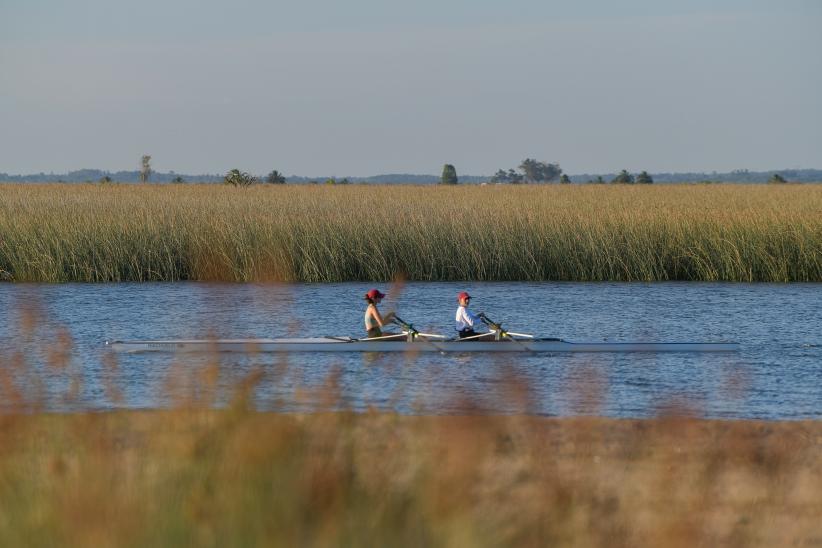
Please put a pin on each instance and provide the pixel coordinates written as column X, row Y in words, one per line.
column 243, row 478
column 57, row 233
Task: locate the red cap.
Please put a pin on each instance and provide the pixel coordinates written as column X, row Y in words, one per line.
column 463, row 295
column 375, row 294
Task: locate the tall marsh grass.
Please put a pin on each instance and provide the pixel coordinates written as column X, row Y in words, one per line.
column 94, row 233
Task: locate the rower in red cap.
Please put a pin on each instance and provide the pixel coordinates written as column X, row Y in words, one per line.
column 466, row 320
column 374, row 322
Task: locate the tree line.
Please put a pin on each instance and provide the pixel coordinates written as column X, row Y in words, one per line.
column 529, row 171
column 534, row 171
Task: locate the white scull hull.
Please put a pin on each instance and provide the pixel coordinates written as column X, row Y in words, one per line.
column 330, row 344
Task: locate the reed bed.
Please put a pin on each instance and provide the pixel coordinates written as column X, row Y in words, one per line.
column 99, row 233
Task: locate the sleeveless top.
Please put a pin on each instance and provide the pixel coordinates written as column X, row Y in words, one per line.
column 370, row 322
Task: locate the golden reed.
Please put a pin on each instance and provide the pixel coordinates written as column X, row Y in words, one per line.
column 318, row 233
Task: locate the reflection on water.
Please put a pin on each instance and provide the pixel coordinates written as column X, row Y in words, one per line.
column 59, row 331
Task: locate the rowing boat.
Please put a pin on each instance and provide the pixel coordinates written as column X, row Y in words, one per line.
column 417, row 344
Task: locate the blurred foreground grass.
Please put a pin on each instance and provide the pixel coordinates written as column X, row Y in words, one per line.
column 310, row 233
column 239, row 477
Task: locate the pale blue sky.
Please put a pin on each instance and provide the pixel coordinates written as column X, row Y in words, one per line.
column 377, row 86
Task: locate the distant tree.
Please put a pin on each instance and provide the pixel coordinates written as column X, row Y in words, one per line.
column 501, row 176
column 623, row 178
column 449, row 175
column 510, row 176
column 644, row 178
column 599, row 180
column 776, row 178
column 531, row 169
column 537, row 172
column 105, row 179
column 275, row 178
column 145, row 168
column 565, row 180
column 335, row 181
column 235, row 177
column 178, row 179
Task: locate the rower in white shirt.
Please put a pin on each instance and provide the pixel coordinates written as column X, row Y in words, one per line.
column 467, row 321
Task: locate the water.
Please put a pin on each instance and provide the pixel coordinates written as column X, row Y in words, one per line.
column 776, row 375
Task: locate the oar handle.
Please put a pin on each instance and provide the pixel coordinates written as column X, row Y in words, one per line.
column 490, row 323
column 402, row 323
column 498, row 327
column 505, row 334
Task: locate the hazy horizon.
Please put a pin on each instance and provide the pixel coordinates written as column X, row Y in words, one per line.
column 373, row 87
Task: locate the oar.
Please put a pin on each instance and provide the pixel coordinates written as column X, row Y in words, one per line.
column 414, row 333
column 526, row 335
column 405, row 325
column 491, row 323
column 389, row 337
column 502, row 332
column 474, row 337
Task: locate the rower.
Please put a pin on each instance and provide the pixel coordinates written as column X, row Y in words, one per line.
column 466, row 320
column 374, row 322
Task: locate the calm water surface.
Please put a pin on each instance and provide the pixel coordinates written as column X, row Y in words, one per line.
column 777, row 375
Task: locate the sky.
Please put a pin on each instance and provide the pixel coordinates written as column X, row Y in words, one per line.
column 366, row 87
